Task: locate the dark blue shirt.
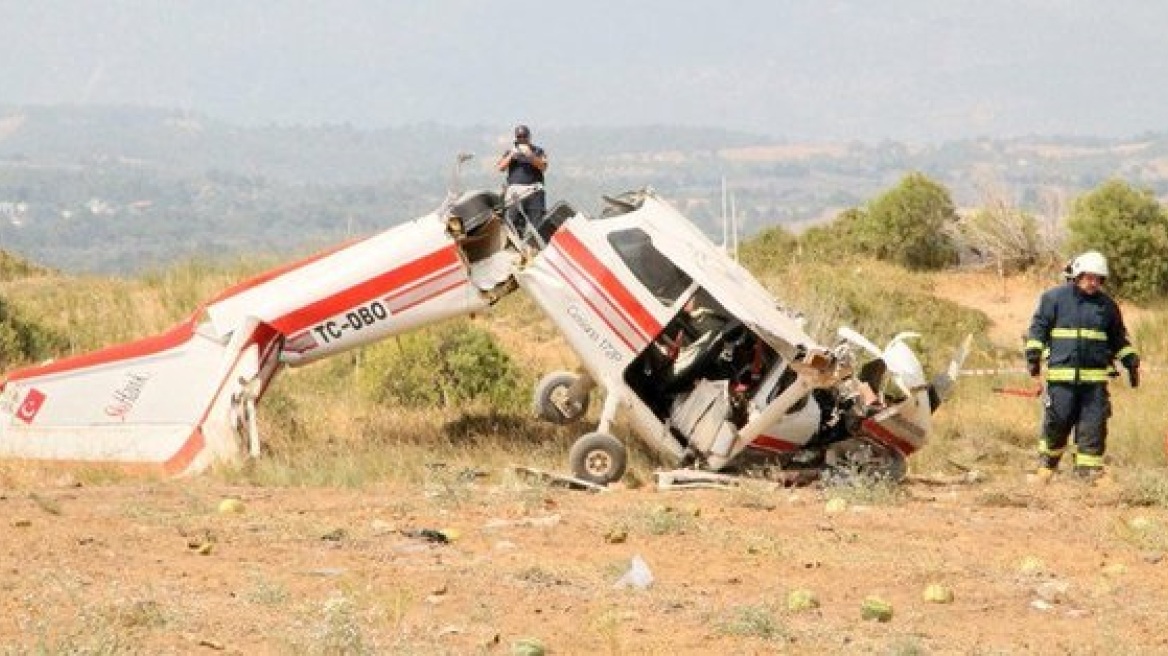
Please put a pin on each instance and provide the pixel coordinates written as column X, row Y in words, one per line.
column 520, row 171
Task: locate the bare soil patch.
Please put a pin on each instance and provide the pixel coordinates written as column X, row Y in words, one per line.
column 477, row 562
column 157, row 568
column 1009, row 301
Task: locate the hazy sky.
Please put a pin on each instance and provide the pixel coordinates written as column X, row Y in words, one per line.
column 798, row 69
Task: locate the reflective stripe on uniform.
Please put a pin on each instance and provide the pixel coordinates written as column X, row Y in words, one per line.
column 1045, row 449
column 1088, row 460
column 1034, row 345
column 1078, row 333
column 1124, row 352
column 1071, row 375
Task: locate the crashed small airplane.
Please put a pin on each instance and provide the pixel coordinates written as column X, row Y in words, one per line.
column 711, row 372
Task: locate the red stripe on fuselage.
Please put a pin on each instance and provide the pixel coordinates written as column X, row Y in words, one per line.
column 887, row 437
column 595, row 310
column 592, row 294
column 366, row 291
column 435, row 275
column 186, row 454
column 176, row 336
column 773, row 444
column 625, row 301
column 436, row 294
column 263, row 336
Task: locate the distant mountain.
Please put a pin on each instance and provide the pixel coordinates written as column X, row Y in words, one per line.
column 117, row 189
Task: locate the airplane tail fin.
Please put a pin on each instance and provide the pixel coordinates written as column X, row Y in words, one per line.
column 173, row 403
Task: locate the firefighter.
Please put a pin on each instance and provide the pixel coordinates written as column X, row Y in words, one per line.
column 1080, row 329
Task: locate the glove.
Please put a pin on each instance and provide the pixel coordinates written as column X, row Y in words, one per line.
column 1132, row 364
column 1034, row 366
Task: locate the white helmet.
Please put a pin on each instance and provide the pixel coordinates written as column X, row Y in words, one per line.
column 1089, row 262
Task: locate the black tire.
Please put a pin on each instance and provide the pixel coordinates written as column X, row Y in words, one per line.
column 551, row 399
column 598, row 458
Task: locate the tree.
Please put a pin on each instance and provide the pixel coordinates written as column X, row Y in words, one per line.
column 1130, row 227
column 841, row 237
column 910, row 224
column 1004, row 235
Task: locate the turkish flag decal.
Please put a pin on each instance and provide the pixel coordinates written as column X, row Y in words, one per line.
column 31, row 406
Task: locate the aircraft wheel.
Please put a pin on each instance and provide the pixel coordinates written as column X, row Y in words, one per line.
column 598, row 458
column 862, row 459
column 554, row 403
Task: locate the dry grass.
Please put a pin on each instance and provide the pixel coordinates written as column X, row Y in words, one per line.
column 319, row 431
column 320, row 563
column 753, row 621
column 997, row 433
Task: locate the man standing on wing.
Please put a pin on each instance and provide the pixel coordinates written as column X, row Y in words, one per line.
column 525, row 164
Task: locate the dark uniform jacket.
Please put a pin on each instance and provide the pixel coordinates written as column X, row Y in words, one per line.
column 1082, row 334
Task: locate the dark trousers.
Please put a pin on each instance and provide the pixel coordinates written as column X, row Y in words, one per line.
column 527, row 212
column 1084, row 409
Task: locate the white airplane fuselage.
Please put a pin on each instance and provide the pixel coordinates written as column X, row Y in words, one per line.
column 704, row 360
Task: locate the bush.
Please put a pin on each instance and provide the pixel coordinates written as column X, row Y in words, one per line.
column 773, row 247
column 448, row 365
column 23, row 341
column 1005, row 236
column 1131, row 228
column 910, row 225
column 13, row 267
column 842, row 238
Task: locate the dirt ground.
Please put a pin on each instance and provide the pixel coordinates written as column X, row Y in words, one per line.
column 490, row 562
column 1009, row 302
column 158, row 568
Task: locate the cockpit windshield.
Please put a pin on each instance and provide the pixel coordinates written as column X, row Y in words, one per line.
column 651, row 267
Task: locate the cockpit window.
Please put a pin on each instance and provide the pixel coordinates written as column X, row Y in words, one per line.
column 655, row 271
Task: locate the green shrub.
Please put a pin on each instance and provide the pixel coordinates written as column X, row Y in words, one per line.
column 772, row 248
column 1131, row 228
column 910, row 225
column 23, row 341
column 447, row 366
column 840, row 239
